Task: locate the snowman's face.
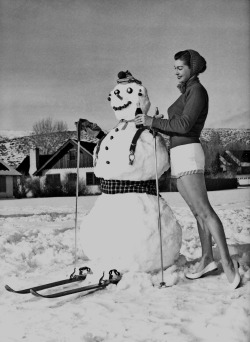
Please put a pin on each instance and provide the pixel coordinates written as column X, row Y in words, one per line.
column 124, row 98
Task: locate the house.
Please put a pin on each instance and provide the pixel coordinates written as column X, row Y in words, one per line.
column 32, row 162
column 61, row 167
column 8, row 179
column 238, row 161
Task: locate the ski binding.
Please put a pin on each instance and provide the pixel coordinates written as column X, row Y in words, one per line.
column 114, row 278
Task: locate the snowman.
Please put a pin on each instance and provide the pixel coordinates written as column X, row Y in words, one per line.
column 121, row 231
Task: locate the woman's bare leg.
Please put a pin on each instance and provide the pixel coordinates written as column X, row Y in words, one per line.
column 204, row 233
column 195, row 187
column 206, row 245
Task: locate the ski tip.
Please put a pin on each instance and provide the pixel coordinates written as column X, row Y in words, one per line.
column 35, row 293
column 8, row 288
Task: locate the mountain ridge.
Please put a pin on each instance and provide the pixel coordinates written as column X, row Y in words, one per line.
column 14, row 150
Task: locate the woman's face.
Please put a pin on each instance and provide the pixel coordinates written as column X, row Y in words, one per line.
column 182, row 71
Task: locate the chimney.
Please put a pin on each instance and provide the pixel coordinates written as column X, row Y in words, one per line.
column 34, row 160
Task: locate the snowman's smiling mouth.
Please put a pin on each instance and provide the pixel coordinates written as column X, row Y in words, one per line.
column 122, row 107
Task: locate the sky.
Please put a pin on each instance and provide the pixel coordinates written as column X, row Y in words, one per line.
column 60, row 58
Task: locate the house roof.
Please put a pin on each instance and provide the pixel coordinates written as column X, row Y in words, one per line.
column 87, row 146
column 24, row 166
column 6, row 170
column 84, row 146
column 243, row 156
column 239, row 156
column 226, row 158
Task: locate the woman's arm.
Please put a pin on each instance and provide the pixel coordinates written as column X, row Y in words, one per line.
column 195, row 103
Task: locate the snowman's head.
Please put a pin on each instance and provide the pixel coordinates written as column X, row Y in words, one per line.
column 125, row 96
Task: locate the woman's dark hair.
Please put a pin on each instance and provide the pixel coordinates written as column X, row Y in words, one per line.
column 185, row 56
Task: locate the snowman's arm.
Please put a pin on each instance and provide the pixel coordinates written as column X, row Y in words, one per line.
column 91, row 129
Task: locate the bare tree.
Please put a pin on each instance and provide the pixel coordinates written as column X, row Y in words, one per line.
column 60, row 126
column 48, row 126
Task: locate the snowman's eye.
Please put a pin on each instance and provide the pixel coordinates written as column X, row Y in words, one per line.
column 117, row 91
column 129, row 90
column 109, row 98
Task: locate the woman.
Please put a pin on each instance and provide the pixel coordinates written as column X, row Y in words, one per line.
column 187, row 117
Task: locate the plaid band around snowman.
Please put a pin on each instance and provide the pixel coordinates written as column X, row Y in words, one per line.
column 114, row 186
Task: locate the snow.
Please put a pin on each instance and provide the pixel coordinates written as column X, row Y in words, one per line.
column 129, row 100
column 37, row 244
column 9, row 134
column 118, row 142
column 113, row 158
column 122, row 229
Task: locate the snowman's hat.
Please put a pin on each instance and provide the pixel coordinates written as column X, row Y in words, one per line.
column 126, row 77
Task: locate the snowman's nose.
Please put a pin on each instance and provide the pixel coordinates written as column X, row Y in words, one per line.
column 119, row 97
column 117, row 93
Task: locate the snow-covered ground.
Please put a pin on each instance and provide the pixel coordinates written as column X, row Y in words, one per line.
column 37, row 242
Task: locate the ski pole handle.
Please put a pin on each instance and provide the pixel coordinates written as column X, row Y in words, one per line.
column 156, row 113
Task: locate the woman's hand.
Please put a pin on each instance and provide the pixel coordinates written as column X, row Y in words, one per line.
column 146, row 120
column 143, row 119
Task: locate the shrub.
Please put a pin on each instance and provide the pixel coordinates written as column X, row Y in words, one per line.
column 237, row 146
column 19, row 188
column 69, row 188
column 221, row 183
column 52, row 189
column 33, row 185
column 212, row 153
column 214, row 148
column 167, row 184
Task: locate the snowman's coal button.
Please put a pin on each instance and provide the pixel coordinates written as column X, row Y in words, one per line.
column 106, row 148
column 117, row 129
column 111, row 137
column 107, row 162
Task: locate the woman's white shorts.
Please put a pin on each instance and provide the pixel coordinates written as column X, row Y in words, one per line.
column 186, row 160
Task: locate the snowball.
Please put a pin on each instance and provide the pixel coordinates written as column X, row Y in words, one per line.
column 121, row 232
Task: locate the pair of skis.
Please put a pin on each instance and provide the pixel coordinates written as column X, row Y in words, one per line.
column 114, row 278
column 114, row 275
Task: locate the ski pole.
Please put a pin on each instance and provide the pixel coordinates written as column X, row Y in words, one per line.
column 78, row 124
column 162, row 283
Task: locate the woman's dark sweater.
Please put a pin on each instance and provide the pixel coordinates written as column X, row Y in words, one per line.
column 187, row 115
